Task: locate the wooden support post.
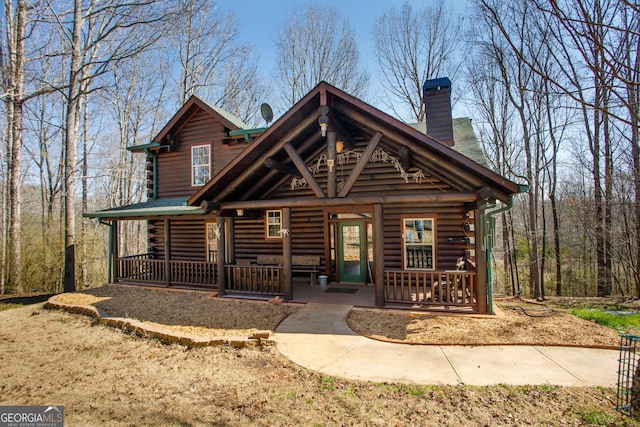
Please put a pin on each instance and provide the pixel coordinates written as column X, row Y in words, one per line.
column 115, row 245
column 222, row 273
column 167, row 252
column 481, row 261
column 286, row 255
column 231, row 222
column 362, row 162
column 332, row 164
column 378, row 254
column 306, row 173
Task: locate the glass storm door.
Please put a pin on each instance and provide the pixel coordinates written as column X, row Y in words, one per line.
column 352, row 256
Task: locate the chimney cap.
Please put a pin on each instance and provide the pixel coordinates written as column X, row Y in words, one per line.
column 436, row 85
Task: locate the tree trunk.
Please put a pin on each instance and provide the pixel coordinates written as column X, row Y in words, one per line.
column 70, row 147
column 15, row 76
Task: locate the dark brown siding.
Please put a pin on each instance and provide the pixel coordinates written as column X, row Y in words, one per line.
column 307, row 236
column 174, row 167
column 450, row 221
column 187, row 239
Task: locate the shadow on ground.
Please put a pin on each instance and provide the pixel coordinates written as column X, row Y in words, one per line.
column 25, row 299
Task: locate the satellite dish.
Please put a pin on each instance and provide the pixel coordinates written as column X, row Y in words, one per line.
column 267, row 112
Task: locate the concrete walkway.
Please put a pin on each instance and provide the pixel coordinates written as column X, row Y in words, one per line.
column 317, row 337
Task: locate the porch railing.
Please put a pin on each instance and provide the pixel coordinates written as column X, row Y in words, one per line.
column 254, row 279
column 141, row 269
column 145, row 270
column 194, row 273
column 443, row 288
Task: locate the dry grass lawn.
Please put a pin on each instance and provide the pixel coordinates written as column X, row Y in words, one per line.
column 105, row 377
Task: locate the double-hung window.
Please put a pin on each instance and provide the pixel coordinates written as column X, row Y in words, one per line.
column 200, row 165
column 418, row 237
column 273, row 224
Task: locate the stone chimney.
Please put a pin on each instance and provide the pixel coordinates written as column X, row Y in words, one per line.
column 437, row 108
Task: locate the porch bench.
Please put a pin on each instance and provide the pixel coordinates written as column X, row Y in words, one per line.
column 299, row 263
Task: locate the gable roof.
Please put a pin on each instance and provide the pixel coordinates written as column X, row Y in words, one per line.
column 354, row 119
column 193, row 105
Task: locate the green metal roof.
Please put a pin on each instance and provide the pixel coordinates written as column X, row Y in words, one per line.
column 142, row 147
column 247, row 132
column 227, row 115
column 154, row 207
column 464, row 137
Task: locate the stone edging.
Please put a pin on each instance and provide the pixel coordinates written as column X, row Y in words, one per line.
column 164, row 335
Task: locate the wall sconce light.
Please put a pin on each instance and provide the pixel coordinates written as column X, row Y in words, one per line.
column 240, row 212
column 323, row 120
column 339, row 145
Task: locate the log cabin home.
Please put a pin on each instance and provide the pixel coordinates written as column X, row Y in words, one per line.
column 334, row 190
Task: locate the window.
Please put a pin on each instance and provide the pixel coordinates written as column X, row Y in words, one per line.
column 200, row 165
column 417, row 239
column 274, row 224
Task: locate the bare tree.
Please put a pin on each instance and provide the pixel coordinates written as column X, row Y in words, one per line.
column 45, row 129
column 313, row 44
column 414, row 45
column 595, row 46
column 13, row 59
column 212, row 63
column 495, row 124
column 514, row 33
column 101, row 35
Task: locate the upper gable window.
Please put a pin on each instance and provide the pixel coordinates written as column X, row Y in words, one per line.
column 200, row 165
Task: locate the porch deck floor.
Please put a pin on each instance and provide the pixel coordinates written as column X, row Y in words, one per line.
column 303, row 292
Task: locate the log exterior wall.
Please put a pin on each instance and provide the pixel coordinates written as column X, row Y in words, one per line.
column 307, row 225
column 174, row 166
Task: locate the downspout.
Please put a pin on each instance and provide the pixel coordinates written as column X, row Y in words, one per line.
column 155, row 172
column 110, row 250
column 489, row 235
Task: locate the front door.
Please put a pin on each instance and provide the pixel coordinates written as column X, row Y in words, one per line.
column 352, row 253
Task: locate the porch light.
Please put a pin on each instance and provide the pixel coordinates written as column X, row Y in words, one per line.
column 323, row 120
column 240, row 212
column 339, row 145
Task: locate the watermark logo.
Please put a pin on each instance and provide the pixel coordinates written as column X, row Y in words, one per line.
column 31, row 416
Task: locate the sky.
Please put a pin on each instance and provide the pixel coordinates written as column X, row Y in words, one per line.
column 259, row 20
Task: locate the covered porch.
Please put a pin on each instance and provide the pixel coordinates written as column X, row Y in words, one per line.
column 432, row 290
column 240, row 275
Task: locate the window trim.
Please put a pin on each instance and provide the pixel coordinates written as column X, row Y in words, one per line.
column 193, row 166
column 434, row 248
column 267, row 223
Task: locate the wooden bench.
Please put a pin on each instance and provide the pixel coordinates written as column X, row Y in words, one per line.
column 299, row 263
